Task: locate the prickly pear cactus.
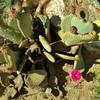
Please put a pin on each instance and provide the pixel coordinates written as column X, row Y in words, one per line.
column 72, row 39
column 9, row 20
column 36, row 77
column 45, row 43
column 66, row 24
column 30, row 29
column 49, row 56
column 24, row 23
column 73, row 30
column 81, row 26
column 9, row 34
column 10, row 57
column 46, row 25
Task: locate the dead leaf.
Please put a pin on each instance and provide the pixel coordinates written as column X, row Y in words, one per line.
column 18, row 82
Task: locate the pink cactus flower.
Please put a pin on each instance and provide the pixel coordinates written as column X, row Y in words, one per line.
column 76, row 75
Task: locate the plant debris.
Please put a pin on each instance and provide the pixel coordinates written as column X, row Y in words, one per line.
column 49, row 49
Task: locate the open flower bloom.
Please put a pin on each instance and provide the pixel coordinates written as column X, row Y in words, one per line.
column 76, row 75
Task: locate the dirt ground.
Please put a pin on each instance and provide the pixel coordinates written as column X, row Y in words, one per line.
column 88, row 88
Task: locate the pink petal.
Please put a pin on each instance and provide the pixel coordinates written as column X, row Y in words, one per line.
column 76, row 75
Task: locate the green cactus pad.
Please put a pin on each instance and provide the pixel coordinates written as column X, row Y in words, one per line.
column 11, row 58
column 13, row 23
column 10, row 34
column 9, row 19
column 66, row 57
column 45, row 43
column 72, row 39
column 24, row 23
column 49, row 56
column 66, row 24
column 46, row 25
column 82, row 26
column 36, row 77
column 43, row 19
